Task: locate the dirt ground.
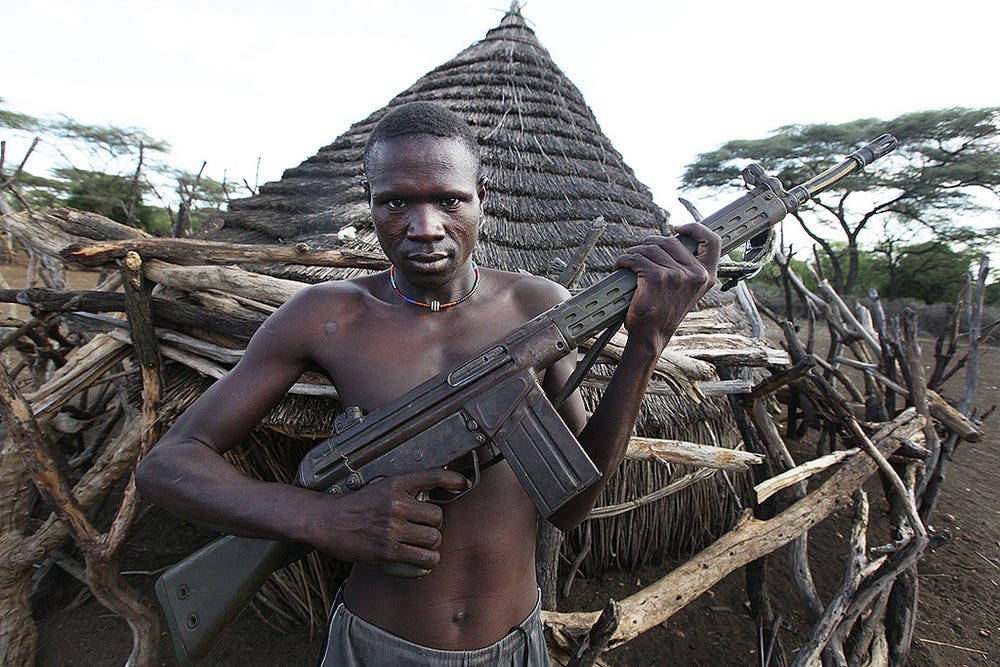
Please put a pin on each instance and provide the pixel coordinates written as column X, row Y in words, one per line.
column 958, row 621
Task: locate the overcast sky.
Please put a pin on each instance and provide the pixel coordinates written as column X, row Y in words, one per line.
column 229, row 81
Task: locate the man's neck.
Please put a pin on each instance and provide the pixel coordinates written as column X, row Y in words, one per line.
column 459, row 286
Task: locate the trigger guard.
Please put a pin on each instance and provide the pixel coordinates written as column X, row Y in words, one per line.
column 445, row 496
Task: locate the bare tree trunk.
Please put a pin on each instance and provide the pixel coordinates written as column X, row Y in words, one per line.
column 133, row 200
column 18, row 636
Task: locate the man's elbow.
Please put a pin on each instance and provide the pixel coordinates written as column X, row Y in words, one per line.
column 145, row 476
column 153, row 474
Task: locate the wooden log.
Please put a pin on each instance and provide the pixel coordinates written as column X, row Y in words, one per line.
column 140, row 320
column 165, row 311
column 597, row 639
column 769, row 487
column 781, row 459
column 227, row 278
column 87, row 225
column 823, row 631
column 850, row 318
column 689, row 453
column 214, row 371
column 918, row 389
column 195, row 251
column 671, row 362
column 84, row 366
column 18, row 634
column 729, row 349
column 956, row 421
column 221, row 302
column 935, row 477
column 748, row 540
column 105, row 324
column 35, row 232
column 940, row 409
column 670, row 489
column 724, row 387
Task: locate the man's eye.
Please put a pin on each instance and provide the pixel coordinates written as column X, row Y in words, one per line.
column 450, row 202
column 395, row 204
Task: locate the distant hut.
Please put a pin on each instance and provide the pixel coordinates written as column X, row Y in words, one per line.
column 551, row 171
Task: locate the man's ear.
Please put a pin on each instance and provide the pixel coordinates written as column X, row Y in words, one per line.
column 368, row 190
column 481, row 188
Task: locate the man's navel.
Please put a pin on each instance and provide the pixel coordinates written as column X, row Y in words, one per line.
column 459, row 617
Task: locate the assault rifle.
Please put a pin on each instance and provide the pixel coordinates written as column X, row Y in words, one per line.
column 491, row 400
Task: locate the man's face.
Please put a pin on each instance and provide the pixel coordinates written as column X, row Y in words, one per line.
column 426, row 199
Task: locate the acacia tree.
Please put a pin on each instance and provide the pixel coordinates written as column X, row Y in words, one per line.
column 109, row 169
column 947, row 166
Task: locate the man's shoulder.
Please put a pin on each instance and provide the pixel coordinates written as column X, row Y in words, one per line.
column 347, row 291
column 324, row 300
column 529, row 293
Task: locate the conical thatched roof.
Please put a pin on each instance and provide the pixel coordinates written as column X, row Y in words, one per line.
column 551, row 168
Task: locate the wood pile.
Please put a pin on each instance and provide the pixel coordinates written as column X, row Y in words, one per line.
column 186, row 303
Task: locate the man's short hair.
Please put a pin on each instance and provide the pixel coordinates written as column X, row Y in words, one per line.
column 422, row 118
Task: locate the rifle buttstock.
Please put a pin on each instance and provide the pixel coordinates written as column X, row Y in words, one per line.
column 206, row 591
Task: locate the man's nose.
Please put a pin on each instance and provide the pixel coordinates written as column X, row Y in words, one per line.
column 425, row 224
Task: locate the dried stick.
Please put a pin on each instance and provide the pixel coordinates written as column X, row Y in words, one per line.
column 140, row 320
column 936, row 475
column 102, row 571
column 918, row 391
column 597, row 639
column 689, row 453
column 770, row 486
column 748, row 540
column 824, row 629
column 572, row 272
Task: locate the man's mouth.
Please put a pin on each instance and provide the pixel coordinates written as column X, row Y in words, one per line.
column 428, row 261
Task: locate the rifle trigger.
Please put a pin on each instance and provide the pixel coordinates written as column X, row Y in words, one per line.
column 445, row 496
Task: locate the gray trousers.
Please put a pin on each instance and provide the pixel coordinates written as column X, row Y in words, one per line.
column 354, row 642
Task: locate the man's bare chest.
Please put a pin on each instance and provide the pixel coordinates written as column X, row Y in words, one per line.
column 375, row 360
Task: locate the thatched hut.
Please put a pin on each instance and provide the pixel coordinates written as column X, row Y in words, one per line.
column 551, row 172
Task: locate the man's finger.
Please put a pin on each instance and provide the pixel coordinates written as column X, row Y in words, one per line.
column 436, row 478
column 708, row 241
column 426, row 514
column 411, row 555
column 658, row 255
column 422, row 536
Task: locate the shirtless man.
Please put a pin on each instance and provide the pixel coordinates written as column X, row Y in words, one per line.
column 376, row 338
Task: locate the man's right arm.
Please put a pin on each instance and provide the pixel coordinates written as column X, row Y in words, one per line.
column 186, row 473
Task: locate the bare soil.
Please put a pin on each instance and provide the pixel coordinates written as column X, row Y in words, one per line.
column 958, row 621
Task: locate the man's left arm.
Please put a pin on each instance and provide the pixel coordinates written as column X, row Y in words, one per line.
column 670, row 281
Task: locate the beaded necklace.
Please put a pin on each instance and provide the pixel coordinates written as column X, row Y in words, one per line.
column 434, row 306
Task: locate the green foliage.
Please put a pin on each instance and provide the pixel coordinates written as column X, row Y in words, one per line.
column 108, row 185
column 107, row 194
column 932, row 271
column 992, row 295
column 945, row 157
column 113, row 140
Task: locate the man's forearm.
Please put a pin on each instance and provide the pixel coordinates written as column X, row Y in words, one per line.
column 195, row 482
column 606, row 435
